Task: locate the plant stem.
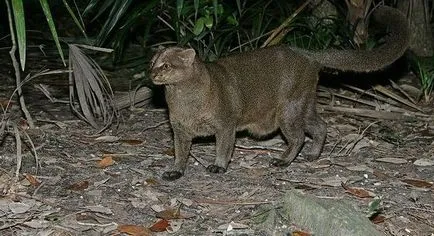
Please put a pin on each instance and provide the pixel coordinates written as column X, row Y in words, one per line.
column 17, row 70
column 19, row 150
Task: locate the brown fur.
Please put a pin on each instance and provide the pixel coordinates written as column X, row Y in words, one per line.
column 260, row 91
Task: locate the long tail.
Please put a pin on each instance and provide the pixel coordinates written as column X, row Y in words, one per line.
column 365, row 61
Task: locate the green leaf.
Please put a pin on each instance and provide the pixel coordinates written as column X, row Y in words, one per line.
column 196, row 8
column 208, row 21
column 375, row 204
column 92, row 4
column 220, row 9
column 49, row 17
column 79, row 24
column 198, row 27
column 119, row 9
column 20, row 28
column 215, row 6
column 179, row 7
column 135, row 15
column 239, row 6
column 232, row 20
column 374, row 207
column 106, row 4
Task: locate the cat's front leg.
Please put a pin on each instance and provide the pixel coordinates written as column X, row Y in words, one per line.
column 182, row 150
column 225, row 142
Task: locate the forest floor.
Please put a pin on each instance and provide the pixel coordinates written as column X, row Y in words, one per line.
column 108, row 183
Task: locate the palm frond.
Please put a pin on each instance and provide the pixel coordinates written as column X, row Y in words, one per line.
column 90, row 94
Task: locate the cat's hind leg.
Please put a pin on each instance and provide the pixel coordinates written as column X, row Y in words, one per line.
column 316, row 128
column 291, row 126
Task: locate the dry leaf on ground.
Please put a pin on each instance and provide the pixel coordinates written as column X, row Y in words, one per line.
column 160, row 226
column 378, row 219
column 418, row 183
column 105, row 162
column 32, row 180
column 134, row 230
column 169, row 214
column 392, row 160
column 169, row 152
column 300, row 233
column 79, row 186
column 424, row 162
column 132, row 142
column 358, row 192
column 107, row 139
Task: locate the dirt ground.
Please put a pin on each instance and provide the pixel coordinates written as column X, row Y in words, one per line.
column 103, row 184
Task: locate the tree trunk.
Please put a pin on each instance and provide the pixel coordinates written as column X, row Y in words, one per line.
column 421, row 34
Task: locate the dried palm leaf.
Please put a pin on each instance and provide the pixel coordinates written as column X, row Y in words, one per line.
column 90, row 93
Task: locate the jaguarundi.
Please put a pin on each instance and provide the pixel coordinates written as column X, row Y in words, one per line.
column 260, row 91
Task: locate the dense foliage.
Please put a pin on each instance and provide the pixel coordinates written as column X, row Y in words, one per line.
column 212, row 27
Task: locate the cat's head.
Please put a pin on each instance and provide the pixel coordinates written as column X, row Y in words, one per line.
column 172, row 65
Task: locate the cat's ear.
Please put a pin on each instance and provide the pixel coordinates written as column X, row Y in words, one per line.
column 187, row 56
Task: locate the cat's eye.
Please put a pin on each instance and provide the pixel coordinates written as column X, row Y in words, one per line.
column 166, row 66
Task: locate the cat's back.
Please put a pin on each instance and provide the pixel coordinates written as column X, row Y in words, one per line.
column 261, row 69
column 263, row 56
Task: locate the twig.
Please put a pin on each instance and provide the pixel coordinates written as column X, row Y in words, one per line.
column 19, row 151
column 333, row 148
column 38, row 163
column 378, row 114
column 3, row 124
column 138, row 171
column 360, row 137
column 198, row 160
column 390, row 107
column 388, row 93
column 285, row 24
column 156, row 125
column 250, row 41
column 259, row 148
column 420, row 209
column 370, row 94
column 97, row 225
column 43, row 88
column 396, row 86
column 99, row 49
column 428, row 222
column 132, row 98
column 16, row 223
column 229, row 202
column 358, row 100
column 344, row 147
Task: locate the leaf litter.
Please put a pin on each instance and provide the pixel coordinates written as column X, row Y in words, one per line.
column 79, row 190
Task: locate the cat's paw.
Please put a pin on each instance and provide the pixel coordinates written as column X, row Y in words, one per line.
column 279, row 162
column 171, row 175
column 215, row 169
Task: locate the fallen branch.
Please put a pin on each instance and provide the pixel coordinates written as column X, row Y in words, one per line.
column 230, row 202
column 132, row 98
column 259, row 148
column 378, row 114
